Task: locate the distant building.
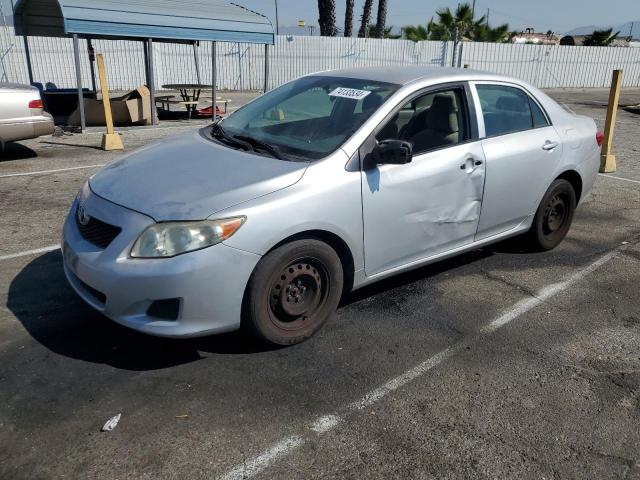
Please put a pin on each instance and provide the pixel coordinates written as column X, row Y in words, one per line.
column 578, row 40
column 530, row 36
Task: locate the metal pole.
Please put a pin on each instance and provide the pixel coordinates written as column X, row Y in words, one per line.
column 195, row 57
column 145, row 51
column 277, row 22
column 76, row 55
column 213, row 80
column 91, row 59
column 28, row 54
column 266, row 67
column 152, row 87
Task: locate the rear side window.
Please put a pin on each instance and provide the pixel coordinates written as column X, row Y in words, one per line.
column 539, row 120
column 508, row 109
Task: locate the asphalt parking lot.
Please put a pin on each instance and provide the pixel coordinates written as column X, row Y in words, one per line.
column 495, row 364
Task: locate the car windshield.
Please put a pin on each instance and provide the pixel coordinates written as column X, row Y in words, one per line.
column 306, row 119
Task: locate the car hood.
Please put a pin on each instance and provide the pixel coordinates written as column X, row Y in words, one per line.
column 190, row 178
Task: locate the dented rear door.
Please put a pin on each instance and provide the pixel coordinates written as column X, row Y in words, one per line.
column 426, row 207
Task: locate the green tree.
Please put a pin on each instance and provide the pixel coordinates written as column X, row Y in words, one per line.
column 327, row 17
column 457, row 25
column 600, row 38
column 485, row 33
column 416, row 33
column 348, row 18
column 372, row 29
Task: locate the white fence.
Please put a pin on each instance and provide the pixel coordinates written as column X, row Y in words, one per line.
column 241, row 66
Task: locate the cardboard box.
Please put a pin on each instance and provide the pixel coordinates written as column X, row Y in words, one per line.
column 133, row 108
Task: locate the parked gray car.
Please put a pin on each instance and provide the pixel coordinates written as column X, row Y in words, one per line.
column 21, row 114
column 319, row 187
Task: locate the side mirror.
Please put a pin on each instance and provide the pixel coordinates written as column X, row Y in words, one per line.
column 393, row 152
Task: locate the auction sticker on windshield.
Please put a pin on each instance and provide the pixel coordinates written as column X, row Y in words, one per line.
column 353, row 93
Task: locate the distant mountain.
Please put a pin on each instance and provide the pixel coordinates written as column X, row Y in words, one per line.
column 624, row 29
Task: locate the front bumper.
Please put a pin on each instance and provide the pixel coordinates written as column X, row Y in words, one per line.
column 209, row 283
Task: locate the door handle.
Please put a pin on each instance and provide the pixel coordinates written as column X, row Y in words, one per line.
column 549, row 145
column 470, row 164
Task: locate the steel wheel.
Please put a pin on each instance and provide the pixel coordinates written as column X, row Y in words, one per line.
column 555, row 214
column 292, row 292
column 298, row 293
column 553, row 218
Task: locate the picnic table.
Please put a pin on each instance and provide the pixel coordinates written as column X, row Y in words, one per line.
column 190, row 93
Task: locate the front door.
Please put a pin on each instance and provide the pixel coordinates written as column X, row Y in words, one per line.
column 429, row 206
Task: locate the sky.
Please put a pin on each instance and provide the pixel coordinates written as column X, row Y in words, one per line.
column 556, row 15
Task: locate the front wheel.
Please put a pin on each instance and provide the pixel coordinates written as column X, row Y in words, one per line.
column 292, row 292
column 554, row 216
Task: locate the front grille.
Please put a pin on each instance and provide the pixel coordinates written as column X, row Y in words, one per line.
column 97, row 232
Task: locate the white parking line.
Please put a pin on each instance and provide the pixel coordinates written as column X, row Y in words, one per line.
column 45, row 172
column 50, row 248
column 619, row 178
column 326, row 423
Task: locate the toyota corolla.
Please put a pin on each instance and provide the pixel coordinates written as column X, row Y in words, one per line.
column 319, row 187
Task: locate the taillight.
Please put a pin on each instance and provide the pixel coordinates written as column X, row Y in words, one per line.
column 599, row 138
column 36, row 104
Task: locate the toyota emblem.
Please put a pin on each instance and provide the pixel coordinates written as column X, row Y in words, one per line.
column 83, row 216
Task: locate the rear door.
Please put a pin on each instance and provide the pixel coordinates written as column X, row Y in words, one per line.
column 522, row 150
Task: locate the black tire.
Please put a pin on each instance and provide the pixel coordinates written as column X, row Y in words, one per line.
column 292, row 292
column 554, row 216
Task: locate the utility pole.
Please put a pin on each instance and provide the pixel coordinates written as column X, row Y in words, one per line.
column 277, row 22
column 488, row 11
column 473, row 9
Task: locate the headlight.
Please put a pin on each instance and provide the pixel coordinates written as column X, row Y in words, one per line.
column 169, row 239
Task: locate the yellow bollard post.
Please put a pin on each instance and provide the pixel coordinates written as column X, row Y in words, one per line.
column 607, row 159
column 110, row 140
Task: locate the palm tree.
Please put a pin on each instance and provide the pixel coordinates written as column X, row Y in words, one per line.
column 382, row 18
column 416, row 33
column 348, row 18
column 454, row 26
column 458, row 25
column 600, row 38
column 366, row 15
column 485, row 33
column 372, row 29
column 327, row 17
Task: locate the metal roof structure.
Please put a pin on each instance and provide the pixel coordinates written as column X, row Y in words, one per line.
column 160, row 20
column 181, row 21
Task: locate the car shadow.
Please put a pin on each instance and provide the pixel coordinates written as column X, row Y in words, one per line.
column 51, row 312
column 16, row 151
column 41, row 299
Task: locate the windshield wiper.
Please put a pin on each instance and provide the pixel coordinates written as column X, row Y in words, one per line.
column 255, row 143
column 218, row 132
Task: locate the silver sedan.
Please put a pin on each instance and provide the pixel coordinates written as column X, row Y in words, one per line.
column 21, row 114
column 319, row 187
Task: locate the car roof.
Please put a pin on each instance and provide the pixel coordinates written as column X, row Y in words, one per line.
column 403, row 75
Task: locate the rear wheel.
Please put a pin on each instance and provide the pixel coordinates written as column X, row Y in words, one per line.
column 292, row 292
column 554, row 216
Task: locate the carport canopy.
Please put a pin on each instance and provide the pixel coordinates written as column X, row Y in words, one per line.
column 149, row 20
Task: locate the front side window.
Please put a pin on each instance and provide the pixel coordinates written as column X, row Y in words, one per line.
column 311, row 117
column 430, row 121
column 508, row 109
